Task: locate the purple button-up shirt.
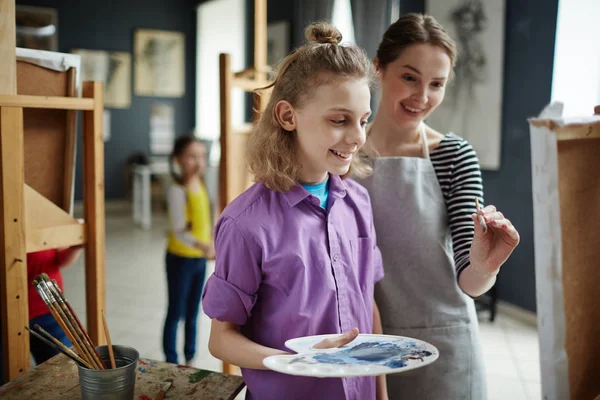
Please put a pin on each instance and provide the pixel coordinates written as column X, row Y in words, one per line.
column 287, row 268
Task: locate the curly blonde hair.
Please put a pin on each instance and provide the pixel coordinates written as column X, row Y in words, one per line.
column 271, row 149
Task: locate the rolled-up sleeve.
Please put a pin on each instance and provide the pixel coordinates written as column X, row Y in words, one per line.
column 230, row 292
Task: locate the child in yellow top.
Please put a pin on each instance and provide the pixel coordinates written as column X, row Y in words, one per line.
column 189, row 244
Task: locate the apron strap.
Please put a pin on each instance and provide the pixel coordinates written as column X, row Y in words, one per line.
column 423, row 135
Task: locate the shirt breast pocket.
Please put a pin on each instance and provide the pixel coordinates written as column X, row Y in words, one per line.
column 362, row 261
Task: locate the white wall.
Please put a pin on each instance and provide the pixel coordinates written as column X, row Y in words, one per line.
column 221, row 29
column 576, row 76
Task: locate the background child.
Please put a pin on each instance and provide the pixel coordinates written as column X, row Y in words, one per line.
column 49, row 262
column 189, row 244
column 296, row 253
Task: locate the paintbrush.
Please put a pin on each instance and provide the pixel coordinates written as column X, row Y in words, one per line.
column 480, row 216
column 56, row 312
column 78, row 322
column 165, row 389
column 108, row 341
column 57, row 342
column 88, row 347
column 78, row 360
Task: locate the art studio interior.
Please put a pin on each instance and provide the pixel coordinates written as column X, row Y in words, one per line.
column 195, row 192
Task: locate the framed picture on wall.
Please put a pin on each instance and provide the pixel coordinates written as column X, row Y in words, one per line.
column 278, row 42
column 113, row 69
column 473, row 105
column 36, row 27
column 159, row 63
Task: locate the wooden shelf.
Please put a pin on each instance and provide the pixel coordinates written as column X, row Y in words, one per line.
column 571, row 131
column 57, row 103
column 48, row 226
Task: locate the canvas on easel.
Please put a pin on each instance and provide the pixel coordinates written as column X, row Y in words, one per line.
column 49, row 135
column 566, row 187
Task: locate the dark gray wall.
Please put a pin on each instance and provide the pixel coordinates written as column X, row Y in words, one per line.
column 528, row 59
column 110, row 25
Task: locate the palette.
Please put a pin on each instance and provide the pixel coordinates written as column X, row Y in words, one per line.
column 367, row 355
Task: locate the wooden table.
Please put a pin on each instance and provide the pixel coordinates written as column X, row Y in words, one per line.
column 57, row 378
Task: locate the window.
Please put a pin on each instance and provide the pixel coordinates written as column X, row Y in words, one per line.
column 342, row 19
column 576, row 74
column 221, row 29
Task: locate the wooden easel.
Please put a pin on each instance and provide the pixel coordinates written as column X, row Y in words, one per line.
column 234, row 176
column 29, row 221
column 566, row 188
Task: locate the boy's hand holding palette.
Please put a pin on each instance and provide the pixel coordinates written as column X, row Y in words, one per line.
column 367, row 355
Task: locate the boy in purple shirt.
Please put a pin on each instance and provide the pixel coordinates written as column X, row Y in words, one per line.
column 296, row 253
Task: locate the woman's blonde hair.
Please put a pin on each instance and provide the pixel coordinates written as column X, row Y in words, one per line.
column 271, row 149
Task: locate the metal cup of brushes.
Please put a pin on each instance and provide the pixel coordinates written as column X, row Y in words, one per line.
column 112, row 383
column 105, row 372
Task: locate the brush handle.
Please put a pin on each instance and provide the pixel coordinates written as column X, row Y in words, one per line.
column 108, row 341
column 57, row 348
column 76, row 328
column 480, row 216
column 89, row 350
column 54, row 310
column 79, row 324
column 62, row 346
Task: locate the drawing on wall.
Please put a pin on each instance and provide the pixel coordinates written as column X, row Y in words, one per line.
column 473, row 104
column 36, row 28
column 159, row 63
column 162, row 128
column 278, row 42
column 113, row 69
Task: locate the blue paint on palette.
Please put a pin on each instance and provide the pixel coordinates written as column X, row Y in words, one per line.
column 370, row 353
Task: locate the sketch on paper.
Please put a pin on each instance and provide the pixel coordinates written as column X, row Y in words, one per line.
column 159, row 63
column 113, row 69
column 473, row 105
column 162, row 128
column 36, row 28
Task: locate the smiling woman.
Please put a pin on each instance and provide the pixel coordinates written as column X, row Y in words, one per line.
column 424, row 189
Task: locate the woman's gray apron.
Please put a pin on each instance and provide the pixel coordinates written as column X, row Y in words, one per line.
column 419, row 296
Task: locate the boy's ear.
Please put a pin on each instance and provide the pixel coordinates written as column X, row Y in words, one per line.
column 286, row 115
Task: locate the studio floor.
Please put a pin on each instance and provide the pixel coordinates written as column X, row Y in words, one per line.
column 136, row 304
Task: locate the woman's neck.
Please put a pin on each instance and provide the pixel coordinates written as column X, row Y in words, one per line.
column 385, row 134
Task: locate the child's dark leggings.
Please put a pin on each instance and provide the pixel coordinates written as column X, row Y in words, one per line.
column 185, row 280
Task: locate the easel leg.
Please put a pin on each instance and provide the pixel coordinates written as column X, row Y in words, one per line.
column 13, row 270
column 93, row 200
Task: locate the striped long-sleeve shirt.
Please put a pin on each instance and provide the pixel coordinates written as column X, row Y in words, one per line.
column 458, row 172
